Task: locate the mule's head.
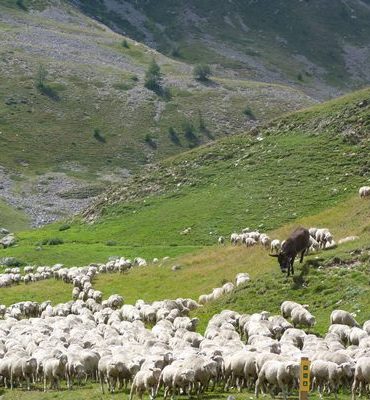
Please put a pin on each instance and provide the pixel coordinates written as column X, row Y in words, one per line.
column 284, row 261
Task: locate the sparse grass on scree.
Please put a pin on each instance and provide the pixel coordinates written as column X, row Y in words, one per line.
column 106, row 96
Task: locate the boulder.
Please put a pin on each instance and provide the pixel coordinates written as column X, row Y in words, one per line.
column 8, row 240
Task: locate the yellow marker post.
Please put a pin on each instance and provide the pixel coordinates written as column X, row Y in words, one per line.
column 304, row 378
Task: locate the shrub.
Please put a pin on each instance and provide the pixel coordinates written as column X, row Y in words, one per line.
column 99, row 136
column 150, row 141
column 125, row 44
column 173, row 136
column 52, row 242
column 202, row 124
column 21, row 5
column 175, row 52
column 249, row 113
column 202, row 72
column 41, row 86
column 11, row 262
column 64, row 227
column 189, row 134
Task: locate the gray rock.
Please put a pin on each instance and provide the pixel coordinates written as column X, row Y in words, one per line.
column 8, row 240
column 4, row 231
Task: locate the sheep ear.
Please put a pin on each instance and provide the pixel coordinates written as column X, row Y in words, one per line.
column 273, row 255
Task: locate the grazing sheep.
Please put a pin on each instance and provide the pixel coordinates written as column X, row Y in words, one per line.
column 175, row 377
column 323, row 237
column 287, row 307
column 145, row 381
column 343, row 317
column 364, row 192
column 242, row 278
column 362, row 375
column 278, row 374
column 300, row 316
column 328, row 373
column 275, row 246
column 235, row 238
column 221, row 240
column 54, row 369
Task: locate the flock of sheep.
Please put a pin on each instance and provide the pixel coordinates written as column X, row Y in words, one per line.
column 155, row 346
column 110, row 342
column 320, row 238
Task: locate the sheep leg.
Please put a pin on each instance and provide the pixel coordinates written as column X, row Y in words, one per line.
column 256, row 391
column 132, row 392
column 101, row 383
column 44, row 383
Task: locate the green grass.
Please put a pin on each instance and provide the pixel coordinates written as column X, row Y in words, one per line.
column 12, row 219
column 78, row 254
column 324, row 289
column 296, row 170
column 93, row 392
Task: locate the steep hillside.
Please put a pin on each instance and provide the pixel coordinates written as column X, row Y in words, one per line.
column 321, row 45
column 74, row 110
column 295, row 166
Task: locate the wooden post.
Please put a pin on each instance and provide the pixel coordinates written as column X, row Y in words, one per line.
column 304, row 378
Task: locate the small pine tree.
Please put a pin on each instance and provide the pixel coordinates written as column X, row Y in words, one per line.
column 153, row 77
column 125, row 44
column 202, row 72
column 41, row 75
column 201, row 122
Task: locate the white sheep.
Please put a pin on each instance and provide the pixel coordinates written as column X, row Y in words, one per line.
column 275, row 246
column 278, row 374
column 362, row 375
column 328, row 373
column 300, row 316
column 145, row 381
column 364, row 192
column 241, row 278
column 343, row 317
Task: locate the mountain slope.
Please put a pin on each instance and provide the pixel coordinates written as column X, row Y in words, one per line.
column 321, row 45
column 94, row 121
column 294, row 167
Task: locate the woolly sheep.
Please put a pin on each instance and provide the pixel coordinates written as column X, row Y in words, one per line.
column 362, row 374
column 241, row 278
column 287, row 307
column 328, row 373
column 145, row 381
column 342, row 317
column 364, row 192
column 280, row 374
column 300, row 316
column 275, row 246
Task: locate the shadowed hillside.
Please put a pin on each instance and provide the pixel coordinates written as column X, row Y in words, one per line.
column 320, row 45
